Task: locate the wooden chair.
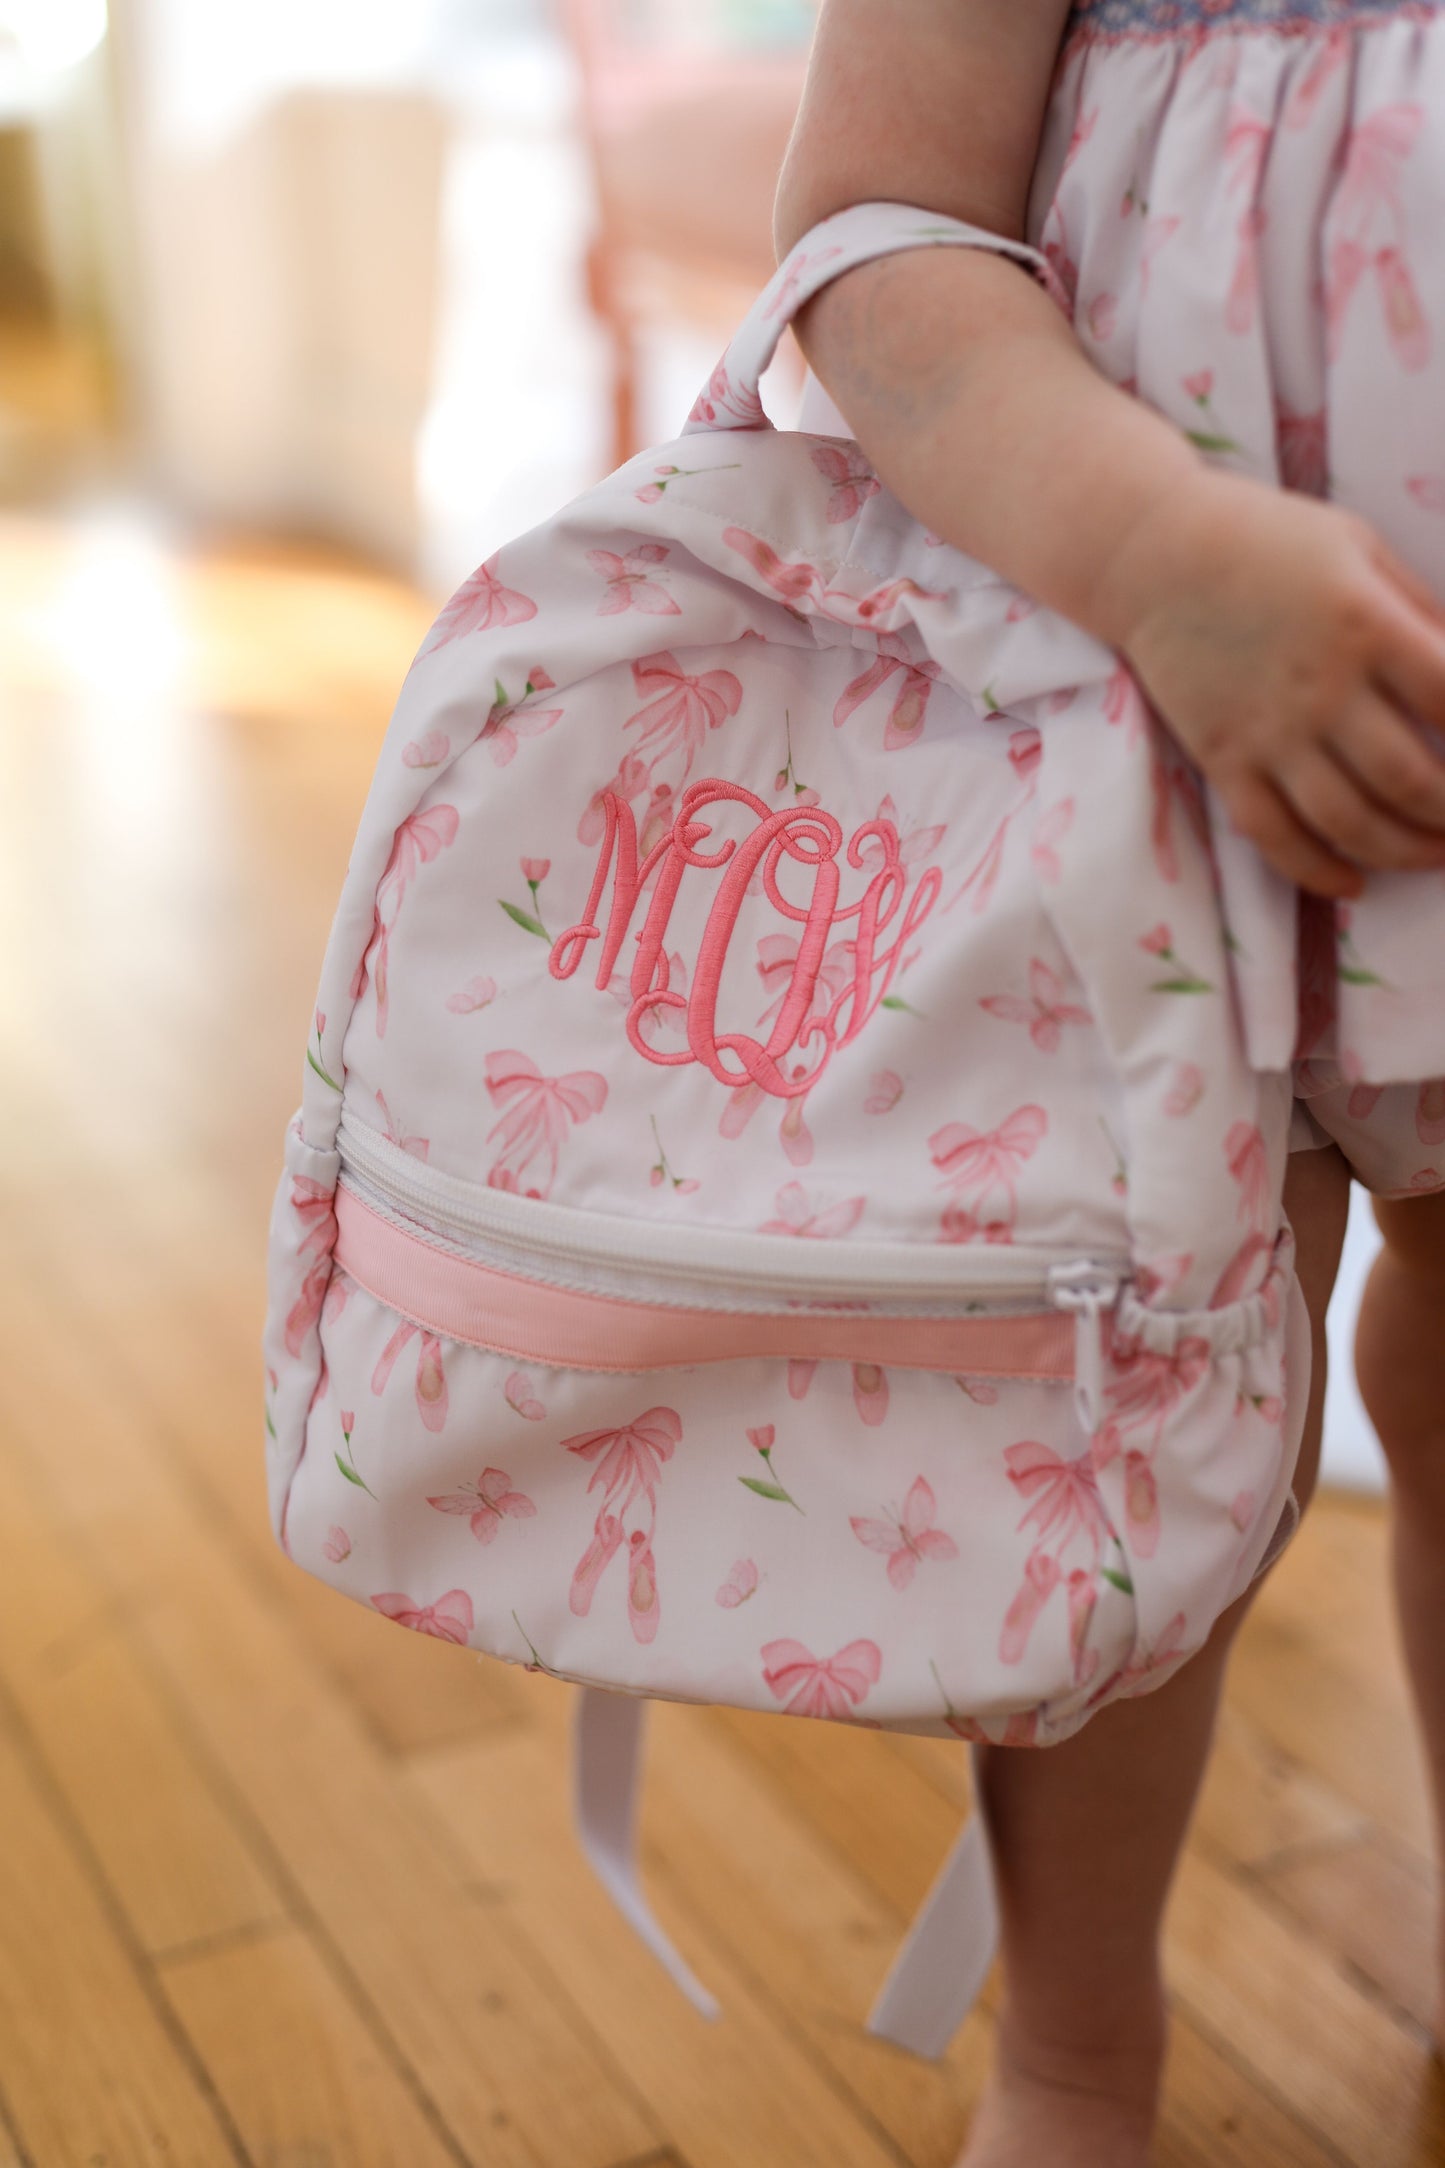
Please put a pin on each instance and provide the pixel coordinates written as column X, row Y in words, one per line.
column 685, row 131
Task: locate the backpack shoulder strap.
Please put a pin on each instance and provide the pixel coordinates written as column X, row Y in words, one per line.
column 935, row 1978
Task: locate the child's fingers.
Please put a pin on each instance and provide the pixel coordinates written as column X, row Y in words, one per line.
column 1410, row 666
column 1408, row 580
column 1330, row 802
column 1374, row 741
column 1266, row 819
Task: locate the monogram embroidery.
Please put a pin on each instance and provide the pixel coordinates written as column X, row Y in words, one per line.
column 808, row 1017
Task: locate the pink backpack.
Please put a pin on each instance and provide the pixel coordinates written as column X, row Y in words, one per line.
column 780, row 1214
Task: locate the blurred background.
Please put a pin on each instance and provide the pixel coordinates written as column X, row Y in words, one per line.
column 305, row 307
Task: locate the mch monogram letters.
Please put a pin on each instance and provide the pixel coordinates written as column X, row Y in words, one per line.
column 808, row 837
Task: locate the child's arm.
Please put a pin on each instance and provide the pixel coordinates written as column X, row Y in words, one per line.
column 1276, row 635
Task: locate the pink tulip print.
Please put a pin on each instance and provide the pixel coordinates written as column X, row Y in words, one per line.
column 509, row 721
column 431, row 1383
column 831, row 1686
column 478, row 604
column 1043, row 1010
column 632, row 582
column 627, row 1466
column 538, row 1112
column 908, row 1537
column 448, row 1619
column 851, row 479
column 487, row 1503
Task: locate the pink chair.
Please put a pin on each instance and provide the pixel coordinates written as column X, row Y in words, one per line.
column 686, row 133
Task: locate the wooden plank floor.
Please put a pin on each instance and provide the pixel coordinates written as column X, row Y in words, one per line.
column 280, row 1885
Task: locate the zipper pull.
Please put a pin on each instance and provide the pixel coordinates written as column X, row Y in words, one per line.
column 1088, row 1290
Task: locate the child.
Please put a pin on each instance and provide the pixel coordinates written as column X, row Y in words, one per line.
column 1240, row 197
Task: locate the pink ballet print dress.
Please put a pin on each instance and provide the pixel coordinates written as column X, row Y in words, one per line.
column 1241, row 202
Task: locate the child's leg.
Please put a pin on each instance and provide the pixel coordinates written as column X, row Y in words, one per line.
column 1087, row 1835
column 1400, row 1360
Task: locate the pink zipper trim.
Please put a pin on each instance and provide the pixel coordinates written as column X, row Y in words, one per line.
column 461, row 1299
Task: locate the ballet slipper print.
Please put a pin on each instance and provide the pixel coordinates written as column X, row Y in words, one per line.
column 1245, row 1271
column 1186, row 1089
column 630, row 584
column 831, row 1686
column 1025, row 754
column 851, row 479
column 1430, row 1112
column 799, row 580
column 982, row 1167
column 538, row 1113
column 431, row 1383
column 1326, row 55
column 906, row 1539
column 1147, row 1386
column 723, row 401
column 1049, row 832
column 1405, row 324
column 1082, row 1592
column 870, row 1393
column 486, row 1503
column 679, row 710
column 478, row 604
column 909, row 708
column 1044, row 1011
column 642, row 1611
column 629, row 1463
column 1248, row 1161
column 314, row 1205
column 1064, row 1496
column 448, row 1619
column 1367, row 200
column 1041, row 1578
column 1141, row 1505
column 419, row 840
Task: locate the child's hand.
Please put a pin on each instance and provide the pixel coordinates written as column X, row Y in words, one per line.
column 1287, row 649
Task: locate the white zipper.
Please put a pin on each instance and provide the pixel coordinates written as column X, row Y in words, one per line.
column 899, row 1276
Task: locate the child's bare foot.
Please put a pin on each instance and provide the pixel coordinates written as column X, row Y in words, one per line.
column 1066, row 2110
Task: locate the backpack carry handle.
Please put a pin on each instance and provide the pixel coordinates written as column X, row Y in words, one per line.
column 730, row 399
